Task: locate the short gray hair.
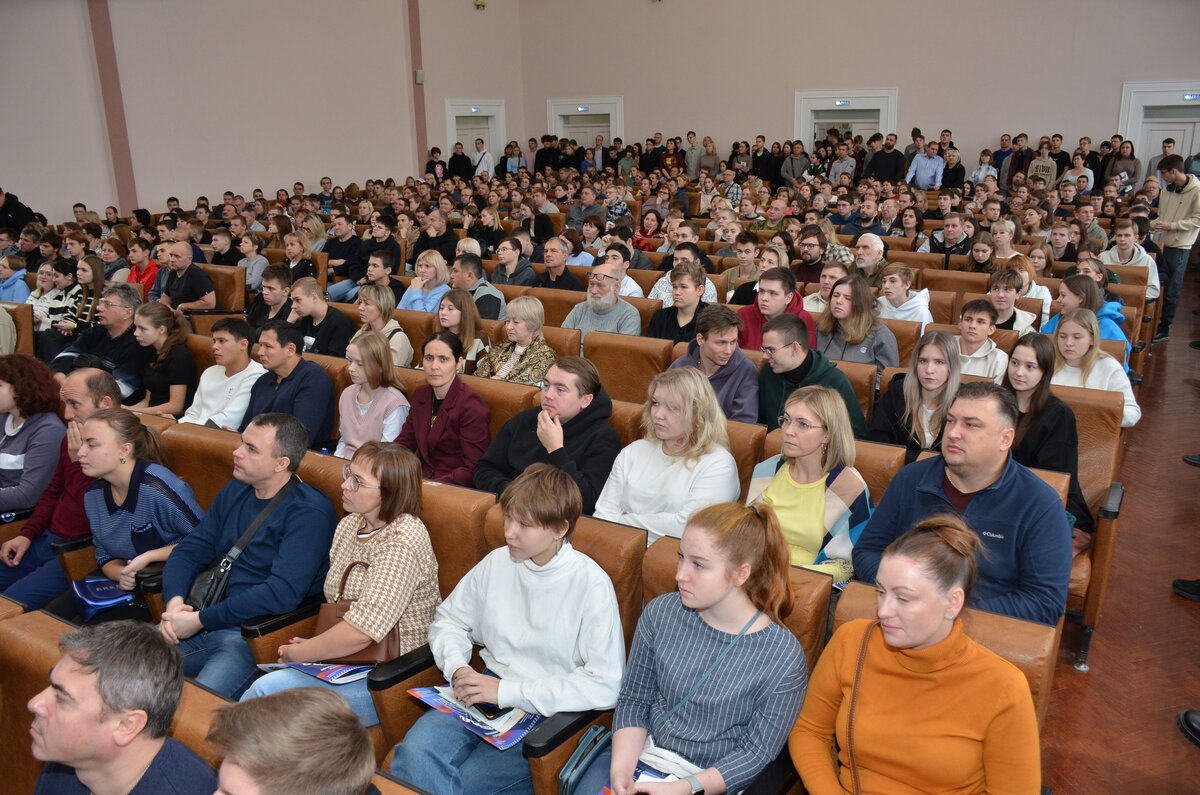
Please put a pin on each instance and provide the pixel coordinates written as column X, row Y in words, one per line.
column 125, row 293
column 529, row 309
column 291, row 437
column 136, row 669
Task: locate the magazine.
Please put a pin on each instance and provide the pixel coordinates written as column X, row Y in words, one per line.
column 503, row 731
column 333, row 674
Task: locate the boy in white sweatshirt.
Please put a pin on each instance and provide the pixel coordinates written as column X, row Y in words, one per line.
column 977, row 351
column 1004, row 287
column 898, row 302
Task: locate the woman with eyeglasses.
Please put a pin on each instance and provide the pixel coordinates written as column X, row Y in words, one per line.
column 381, row 550
column 913, row 412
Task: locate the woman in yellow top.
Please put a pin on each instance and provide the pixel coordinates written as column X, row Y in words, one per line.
column 935, row 712
column 821, row 500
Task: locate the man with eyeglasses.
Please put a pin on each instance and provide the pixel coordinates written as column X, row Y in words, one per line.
column 603, row 310
column 812, row 254
column 513, row 268
column 110, row 344
column 790, row 363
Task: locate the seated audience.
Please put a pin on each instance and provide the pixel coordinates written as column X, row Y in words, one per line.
column 375, row 307
column 143, row 269
column 32, row 574
column 556, row 275
column 850, row 330
column 1046, row 436
column 326, row 331
column 381, row 560
column 372, row 408
column 664, row 289
column 1080, row 361
column 58, row 326
column 1018, row 517
column 294, row 251
column 12, row 279
column 44, row 298
column 283, row 564
column 603, row 309
column 897, row 301
column 432, row 281
column 1081, row 292
column 681, row 464
column 467, row 274
column 1004, row 288
column 459, row 315
column 295, row 741
column 978, row 353
column 291, row 385
column 526, row 357
column 224, row 252
column 110, row 343
column 186, row 286
column 274, row 299
column 345, row 258
column 713, row 349
column 224, row 389
column 513, row 267
column 777, row 295
column 912, row 412
column 447, row 426
column 619, row 256
column 169, row 381
column 546, row 618
column 569, row 430
column 102, row 723
column 920, row 660
column 789, row 364
column 831, row 272
column 821, row 500
column 727, row 616
column 251, row 247
column 33, row 433
column 677, row 322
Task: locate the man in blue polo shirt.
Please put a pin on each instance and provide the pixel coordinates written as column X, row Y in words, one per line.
column 1025, row 562
column 291, row 385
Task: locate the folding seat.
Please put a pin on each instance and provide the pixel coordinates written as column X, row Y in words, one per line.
column 339, row 373
column 1031, row 305
column 626, row 420
column 229, row 283
column 862, row 378
column 22, row 317
column 557, row 304
column 907, row 332
column 505, row 399
column 941, row 306
column 954, row 281
column 646, row 307
column 1005, row 339
column 917, row 259
column 511, row 291
column 417, row 326
column 645, row 279
column 627, row 364
column 877, row 463
column 564, row 341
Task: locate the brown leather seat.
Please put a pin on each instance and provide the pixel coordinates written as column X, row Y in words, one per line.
column 320, row 261
column 200, row 348
column 862, row 378
column 810, row 595
column 646, row 307
column 1031, row 305
column 504, row 398
column 746, row 445
column 941, row 306
column 645, row 279
column 1031, row 647
column 339, row 373
column 918, row 260
column 22, row 317
column 349, row 311
column 417, row 325
column 205, row 458
column 957, row 282
column 907, row 333
column 877, row 463
column 626, row 420
column 627, row 364
column 9, row 608
column 229, row 283
column 1005, row 339
column 564, row 341
column 556, row 304
column 511, row 291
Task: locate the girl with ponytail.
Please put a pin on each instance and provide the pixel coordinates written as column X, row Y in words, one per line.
column 137, row 508
column 714, row 680
column 918, row 706
column 170, row 377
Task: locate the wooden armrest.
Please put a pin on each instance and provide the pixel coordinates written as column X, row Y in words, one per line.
column 406, row 666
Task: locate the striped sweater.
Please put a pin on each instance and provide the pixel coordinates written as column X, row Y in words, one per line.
column 160, row 509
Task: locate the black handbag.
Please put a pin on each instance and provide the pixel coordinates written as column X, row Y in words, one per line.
column 210, row 585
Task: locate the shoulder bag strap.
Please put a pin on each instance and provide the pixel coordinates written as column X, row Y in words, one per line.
column 858, row 669
column 235, row 551
column 346, row 577
column 712, row 666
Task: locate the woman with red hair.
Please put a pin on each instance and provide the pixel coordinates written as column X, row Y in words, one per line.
column 32, row 431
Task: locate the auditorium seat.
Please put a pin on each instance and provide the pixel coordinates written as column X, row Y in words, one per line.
column 200, row 349
column 229, row 283
column 627, row 364
column 953, row 281
column 22, row 317
column 556, row 304
column 1005, row 339
column 1033, row 306
column 339, row 374
column 862, row 379
column 417, row 325
column 646, row 307
column 503, row 398
column 907, row 333
column 564, row 341
column 942, row 304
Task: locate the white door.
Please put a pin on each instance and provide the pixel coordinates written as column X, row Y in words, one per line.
column 468, row 128
column 1185, row 133
column 854, row 122
column 584, row 127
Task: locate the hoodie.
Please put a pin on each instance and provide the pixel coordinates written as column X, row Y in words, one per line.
column 916, row 308
column 1141, row 258
column 590, row 446
column 522, row 275
column 753, row 320
column 736, row 384
column 1110, row 318
column 774, row 388
column 1180, row 210
column 989, row 361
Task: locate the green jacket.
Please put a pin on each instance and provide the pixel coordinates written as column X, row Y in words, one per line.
column 773, row 392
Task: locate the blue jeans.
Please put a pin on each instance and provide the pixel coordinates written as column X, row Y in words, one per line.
column 38, row 578
column 343, row 291
column 220, row 660
column 441, row 755
column 356, row 694
column 1174, row 262
column 597, row 774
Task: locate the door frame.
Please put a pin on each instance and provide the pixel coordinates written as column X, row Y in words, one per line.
column 810, row 103
column 491, row 109
column 613, row 105
column 1136, row 95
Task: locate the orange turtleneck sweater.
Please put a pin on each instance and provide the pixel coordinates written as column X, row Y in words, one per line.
column 953, row 717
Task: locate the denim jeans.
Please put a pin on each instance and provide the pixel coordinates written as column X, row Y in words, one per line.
column 356, row 694
column 441, row 755
column 220, row 660
column 1175, row 267
column 39, row 577
column 597, row 773
column 343, row 291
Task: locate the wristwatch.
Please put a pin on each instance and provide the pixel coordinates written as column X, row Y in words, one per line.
column 694, row 783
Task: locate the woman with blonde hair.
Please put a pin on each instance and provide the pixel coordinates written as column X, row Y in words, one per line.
column 681, row 464
column 1003, row 231
column 526, row 357
column 170, row 379
column 851, row 332
column 458, row 314
column 969, row 719
column 913, row 412
column 425, row 291
column 372, row 408
column 1080, row 361
column 313, row 230
column 375, row 305
column 822, row 501
column 487, row 230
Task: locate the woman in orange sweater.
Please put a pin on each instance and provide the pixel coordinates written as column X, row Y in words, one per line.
column 935, row 712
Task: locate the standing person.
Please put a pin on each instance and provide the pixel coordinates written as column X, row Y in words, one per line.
column 1179, row 224
column 918, row 661
column 546, row 617
column 723, row 629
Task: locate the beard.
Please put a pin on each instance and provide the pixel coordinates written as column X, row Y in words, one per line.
column 600, row 304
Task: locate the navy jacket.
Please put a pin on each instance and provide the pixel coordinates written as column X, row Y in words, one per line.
column 1025, row 564
column 306, row 394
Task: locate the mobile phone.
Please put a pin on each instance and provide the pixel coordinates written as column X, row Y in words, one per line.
column 491, row 711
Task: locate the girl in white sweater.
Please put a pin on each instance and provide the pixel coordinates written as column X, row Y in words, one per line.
column 681, row 465
column 546, row 617
column 1079, row 361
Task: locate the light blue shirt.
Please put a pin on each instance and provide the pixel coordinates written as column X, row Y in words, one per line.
column 421, row 301
column 14, row 288
column 927, row 169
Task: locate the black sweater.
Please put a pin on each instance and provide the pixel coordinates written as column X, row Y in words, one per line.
column 888, row 426
column 1052, row 442
column 590, row 447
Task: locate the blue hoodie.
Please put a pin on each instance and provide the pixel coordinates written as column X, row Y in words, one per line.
column 14, row 288
column 1025, row 560
column 1110, row 318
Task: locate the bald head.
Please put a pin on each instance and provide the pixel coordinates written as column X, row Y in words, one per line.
column 86, row 391
column 179, row 257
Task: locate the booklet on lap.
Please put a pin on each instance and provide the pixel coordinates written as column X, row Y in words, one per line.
column 503, row 731
column 333, row 674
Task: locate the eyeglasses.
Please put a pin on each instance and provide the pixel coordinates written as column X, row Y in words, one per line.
column 600, row 277
column 769, row 351
column 111, row 304
column 801, row 425
column 353, row 480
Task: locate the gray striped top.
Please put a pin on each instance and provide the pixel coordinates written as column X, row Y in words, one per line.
column 740, row 718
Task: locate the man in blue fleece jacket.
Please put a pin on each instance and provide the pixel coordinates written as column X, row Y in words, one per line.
column 1025, row 560
column 284, row 563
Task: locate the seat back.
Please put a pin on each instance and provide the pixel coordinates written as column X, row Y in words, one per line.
column 811, row 592
column 1005, row 339
column 616, row 548
column 324, row 473
column 907, row 333
column 627, row 364
column 556, row 304
column 339, row 373
column 1031, row 647
column 646, row 307
column 504, row 398
column 626, row 420
column 746, row 445
column 1098, row 414
column 957, row 282
column 455, row 518
column 942, row 304
column 202, row 457
column 229, row 283
column 645, row 279
column 22, row 318
column 877, row 463
column 564, row 341
column 1031, row 305
column 862, row 378
column 200, row 349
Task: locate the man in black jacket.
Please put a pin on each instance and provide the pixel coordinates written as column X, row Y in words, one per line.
column 435, row 236
column 460, row 164
column 13, row 214
column 570, row 431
